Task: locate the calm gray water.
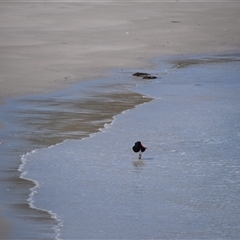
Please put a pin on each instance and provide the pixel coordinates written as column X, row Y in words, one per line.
column 187, row 186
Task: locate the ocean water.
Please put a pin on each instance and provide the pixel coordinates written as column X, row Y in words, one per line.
column 187, row 185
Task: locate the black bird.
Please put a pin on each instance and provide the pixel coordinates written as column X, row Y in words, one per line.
column 138, row 148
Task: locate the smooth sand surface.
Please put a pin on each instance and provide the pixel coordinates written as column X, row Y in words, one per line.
column 45, row 45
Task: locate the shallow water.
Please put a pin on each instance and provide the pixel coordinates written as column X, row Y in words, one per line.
column 187, row 184
column 39, row 121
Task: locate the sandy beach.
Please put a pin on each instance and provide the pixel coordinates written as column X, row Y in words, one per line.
column 46, row 46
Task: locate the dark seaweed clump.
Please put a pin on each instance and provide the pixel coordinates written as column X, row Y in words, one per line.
column 144, row 75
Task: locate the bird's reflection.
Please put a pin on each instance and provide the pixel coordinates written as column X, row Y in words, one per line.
column 138, row 163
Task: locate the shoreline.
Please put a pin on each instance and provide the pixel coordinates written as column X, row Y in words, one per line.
column 165, row 96
column 67, row 115
column 112, row 99
column 60, row 52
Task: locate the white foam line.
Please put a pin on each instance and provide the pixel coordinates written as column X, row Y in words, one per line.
column 33, row 191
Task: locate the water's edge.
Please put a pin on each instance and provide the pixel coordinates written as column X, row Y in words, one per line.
column 44, row 120
column 40, row 121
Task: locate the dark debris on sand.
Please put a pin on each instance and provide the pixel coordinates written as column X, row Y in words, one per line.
column 144, row 75
column 149, row 77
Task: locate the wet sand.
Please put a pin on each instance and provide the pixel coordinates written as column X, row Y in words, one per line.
column 4, row 228
column 46, row 46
